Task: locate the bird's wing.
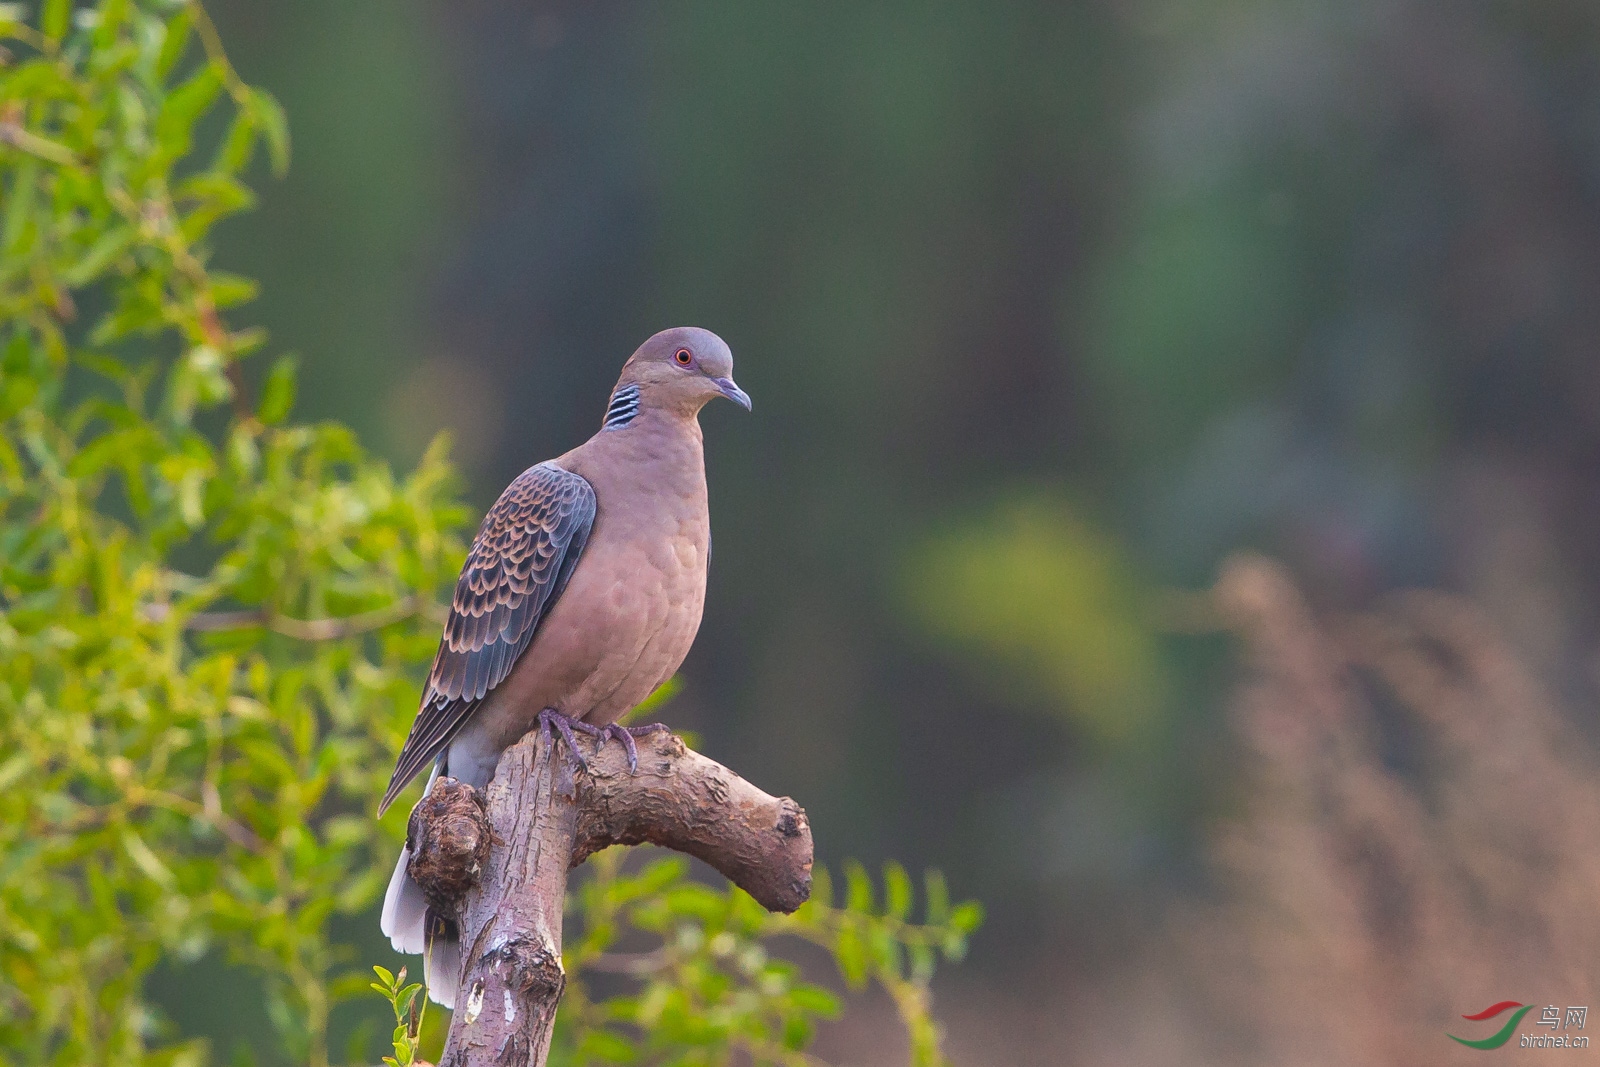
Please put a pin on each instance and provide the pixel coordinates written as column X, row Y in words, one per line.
column 520, row 561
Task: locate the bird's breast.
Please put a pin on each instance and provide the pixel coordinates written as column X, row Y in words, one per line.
column 629, row 613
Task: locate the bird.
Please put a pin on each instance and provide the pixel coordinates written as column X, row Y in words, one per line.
column 581, row 594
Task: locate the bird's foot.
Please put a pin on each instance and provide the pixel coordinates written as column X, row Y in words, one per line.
column 626, row 734
column 564, row 725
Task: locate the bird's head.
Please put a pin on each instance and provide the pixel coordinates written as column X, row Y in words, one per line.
column 681, row 370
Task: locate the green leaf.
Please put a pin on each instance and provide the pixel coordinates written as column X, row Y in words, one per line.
column 110, row 246
column 821, row 888
column 274, row 127
column 858, row 888
column 606, row 1045
column 183, row 107
column 97, row 455
column 278, row 392
column 230, row 290
column 146, row 860
column 173, row 43
column 661, row 694
column 109, row 17
column 885, row 951
column 954, row 946
column 56, row 18
column 234, row 154
column 797, row 1033
column 922, row 962
column 816, row 1000
column 967, row 916
column 211, row 196
column 938, row 897
column 897, row 891
column 850, row 954
column 19, row 206
column 13, row 769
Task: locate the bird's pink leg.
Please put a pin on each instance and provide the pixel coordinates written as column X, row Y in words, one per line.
column 564, row 725
column 626, row 734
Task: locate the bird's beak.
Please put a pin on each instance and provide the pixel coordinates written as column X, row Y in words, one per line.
column 732, row 392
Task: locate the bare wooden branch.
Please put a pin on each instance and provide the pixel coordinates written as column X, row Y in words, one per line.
column 499, row 864
column 684, row 801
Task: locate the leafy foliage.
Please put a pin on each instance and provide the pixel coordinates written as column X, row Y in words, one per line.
column 212, row 619
column 208, row 617
column 710, row 987
column 410, row 1009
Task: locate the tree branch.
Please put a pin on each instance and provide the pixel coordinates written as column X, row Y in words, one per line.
column 497, row 862
column 302, row 629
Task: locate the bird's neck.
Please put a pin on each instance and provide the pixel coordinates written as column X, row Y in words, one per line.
column 623, row 408
column 629, row 406
column 658, row 454
column 666, row 424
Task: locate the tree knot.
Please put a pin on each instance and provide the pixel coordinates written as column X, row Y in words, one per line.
column 449, row 837
column 526, row 966
column 791, row 818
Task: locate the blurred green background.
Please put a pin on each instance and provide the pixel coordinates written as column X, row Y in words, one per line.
column 1045, row 308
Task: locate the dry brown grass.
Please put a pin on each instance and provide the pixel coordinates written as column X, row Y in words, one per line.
column 1361, row 903
column 1369, row 902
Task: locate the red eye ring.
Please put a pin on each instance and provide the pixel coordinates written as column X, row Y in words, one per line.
column 684, row 357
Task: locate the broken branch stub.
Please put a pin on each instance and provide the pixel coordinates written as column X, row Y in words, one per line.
column 497, row 864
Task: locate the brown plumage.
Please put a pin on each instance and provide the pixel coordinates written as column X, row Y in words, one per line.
column 581, row 594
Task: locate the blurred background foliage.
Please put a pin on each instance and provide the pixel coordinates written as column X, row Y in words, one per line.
column 1053, row 607
column 1106, row 289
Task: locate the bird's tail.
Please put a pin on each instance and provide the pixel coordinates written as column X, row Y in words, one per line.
column 441, row 964
column 413, row 929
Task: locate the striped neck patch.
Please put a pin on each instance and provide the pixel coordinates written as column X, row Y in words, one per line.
column 623, row 407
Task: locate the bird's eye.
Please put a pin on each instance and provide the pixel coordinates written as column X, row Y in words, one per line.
column 684, row 357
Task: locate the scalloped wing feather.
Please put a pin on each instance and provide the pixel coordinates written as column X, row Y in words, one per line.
column 519, row 563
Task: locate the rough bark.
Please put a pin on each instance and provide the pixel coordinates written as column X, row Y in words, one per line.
column 498, row 863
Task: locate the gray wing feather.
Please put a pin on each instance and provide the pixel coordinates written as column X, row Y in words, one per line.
column 519, row 563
